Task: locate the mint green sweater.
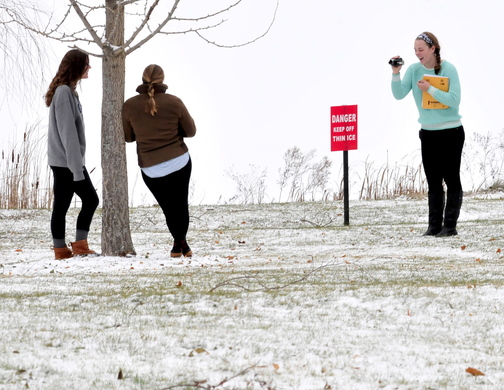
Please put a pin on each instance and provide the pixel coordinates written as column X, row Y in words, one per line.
column 431, row 119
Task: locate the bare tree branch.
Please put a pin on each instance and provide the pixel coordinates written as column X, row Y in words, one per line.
column 58, row 26
column 86, row 23
column 246, row 43
column 128, row 2
column 206, row 386
column 23, row 57
column 83, row 12
column 264, row 287
column 193, row 30
column 157, row 30
column 220, row 12
column 145, row 21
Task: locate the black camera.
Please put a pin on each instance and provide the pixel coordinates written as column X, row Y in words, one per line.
column 396, row 62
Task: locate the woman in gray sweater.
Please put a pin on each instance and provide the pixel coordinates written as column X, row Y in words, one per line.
column 66, row 151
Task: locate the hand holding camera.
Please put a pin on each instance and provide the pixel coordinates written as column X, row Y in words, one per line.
column 396, row 61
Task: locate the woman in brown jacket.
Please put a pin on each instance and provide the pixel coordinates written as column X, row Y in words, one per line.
column 158, row 122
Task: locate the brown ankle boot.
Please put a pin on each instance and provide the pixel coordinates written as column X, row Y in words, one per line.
column 62, row 253
column 181, row 248
column 81, row 248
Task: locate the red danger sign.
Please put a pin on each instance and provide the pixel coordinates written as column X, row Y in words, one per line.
column 343, row 128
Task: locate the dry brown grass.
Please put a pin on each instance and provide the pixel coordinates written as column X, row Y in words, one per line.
column 25, row 174
column 387, row 182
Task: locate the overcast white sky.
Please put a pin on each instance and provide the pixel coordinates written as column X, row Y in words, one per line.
column 252, row 103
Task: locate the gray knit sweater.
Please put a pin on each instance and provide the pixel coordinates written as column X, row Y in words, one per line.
column 66, row 138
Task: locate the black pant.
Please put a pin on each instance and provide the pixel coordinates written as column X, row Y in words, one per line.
column 172, row 193
column 64, row 189
column 441, row 156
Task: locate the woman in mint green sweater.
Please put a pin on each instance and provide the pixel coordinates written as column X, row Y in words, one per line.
column 441, row 134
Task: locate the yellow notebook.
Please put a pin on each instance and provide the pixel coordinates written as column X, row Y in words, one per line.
column 440, row 82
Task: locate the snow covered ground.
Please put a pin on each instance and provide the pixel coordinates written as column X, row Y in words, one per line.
column 277, row 296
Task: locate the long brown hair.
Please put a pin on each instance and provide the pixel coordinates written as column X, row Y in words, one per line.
column 153, row 74
column 433, row 41
column 70, row 71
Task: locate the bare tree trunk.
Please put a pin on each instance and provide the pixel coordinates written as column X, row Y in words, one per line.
column 116, row 235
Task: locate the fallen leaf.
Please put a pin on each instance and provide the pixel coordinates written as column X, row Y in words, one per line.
column 276, row 366
column 179, row 284
column 499, row 250
column 463, row 247
column 120, row 375
column 474, row 372
column 197, row 350
column 18, row 250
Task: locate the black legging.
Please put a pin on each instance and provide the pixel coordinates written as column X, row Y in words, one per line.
column 442, row 155
column 171, row 193
column 64, row 189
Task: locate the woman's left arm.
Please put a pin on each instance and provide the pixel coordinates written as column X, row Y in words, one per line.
column 452, row 97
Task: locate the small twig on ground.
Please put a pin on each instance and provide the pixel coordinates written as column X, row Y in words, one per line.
column 203, row 385
column 232, row 281
column 318, row 224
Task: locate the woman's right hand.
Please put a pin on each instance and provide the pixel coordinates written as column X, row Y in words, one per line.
column 396, row 69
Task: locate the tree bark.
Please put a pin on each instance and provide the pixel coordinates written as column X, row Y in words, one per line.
column 116, row 234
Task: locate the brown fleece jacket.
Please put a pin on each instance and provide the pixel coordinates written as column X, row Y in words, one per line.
column 160, row 137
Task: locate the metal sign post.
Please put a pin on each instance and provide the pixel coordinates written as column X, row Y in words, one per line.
column 346, row 202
